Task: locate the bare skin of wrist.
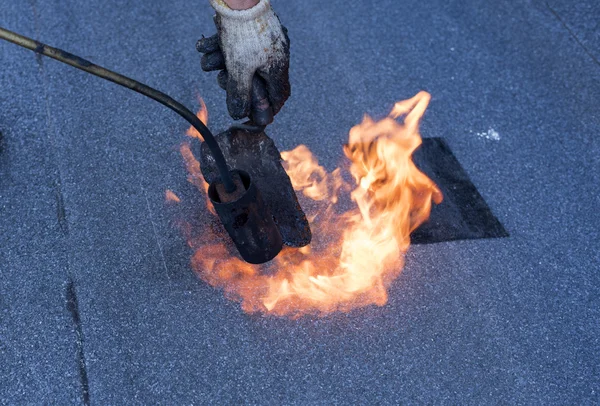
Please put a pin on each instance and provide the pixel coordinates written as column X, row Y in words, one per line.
column 241, row 4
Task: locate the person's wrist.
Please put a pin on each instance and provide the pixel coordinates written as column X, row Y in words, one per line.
column 261, row 8
column 241, row 4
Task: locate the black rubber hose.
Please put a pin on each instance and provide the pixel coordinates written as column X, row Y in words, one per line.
column 134, row 85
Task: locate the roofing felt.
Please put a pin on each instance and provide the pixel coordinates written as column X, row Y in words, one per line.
column 97, row 298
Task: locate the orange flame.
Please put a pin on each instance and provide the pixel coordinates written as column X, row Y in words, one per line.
column 171, row 197
column 355, row 255
column 203, row 116
column 194, row 174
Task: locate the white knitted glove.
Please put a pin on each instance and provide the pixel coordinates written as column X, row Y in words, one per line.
column 249, row 42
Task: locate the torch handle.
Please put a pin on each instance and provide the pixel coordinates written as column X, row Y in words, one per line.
column 134, row 85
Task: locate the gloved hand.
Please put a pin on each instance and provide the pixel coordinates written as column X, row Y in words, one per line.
column 251, row 48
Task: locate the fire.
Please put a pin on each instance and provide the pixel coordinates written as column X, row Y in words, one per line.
column 355, row 254
column 171, row 197
column 203, row 116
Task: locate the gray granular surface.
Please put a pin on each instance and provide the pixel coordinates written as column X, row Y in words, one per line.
column 98, row 302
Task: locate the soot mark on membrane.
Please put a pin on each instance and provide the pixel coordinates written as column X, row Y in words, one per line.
column 73, row 307
column 463, row 215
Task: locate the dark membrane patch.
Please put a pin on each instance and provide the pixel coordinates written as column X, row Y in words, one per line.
column 463, row 215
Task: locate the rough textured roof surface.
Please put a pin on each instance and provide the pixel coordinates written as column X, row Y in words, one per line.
column 98, row 303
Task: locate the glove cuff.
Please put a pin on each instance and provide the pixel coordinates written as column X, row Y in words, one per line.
column 263, row 7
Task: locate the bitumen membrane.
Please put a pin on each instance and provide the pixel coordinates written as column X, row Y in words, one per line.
column 98, row 301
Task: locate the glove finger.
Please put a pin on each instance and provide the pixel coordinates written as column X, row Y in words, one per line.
column 277, row 80
column 222, row 79
column 210, row 44
column 239, row 89
column 261, row 112
column 212, row 61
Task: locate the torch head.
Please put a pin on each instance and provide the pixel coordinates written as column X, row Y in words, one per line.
column 247, row 219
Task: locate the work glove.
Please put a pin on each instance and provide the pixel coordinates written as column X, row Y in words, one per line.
column 251, row 48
